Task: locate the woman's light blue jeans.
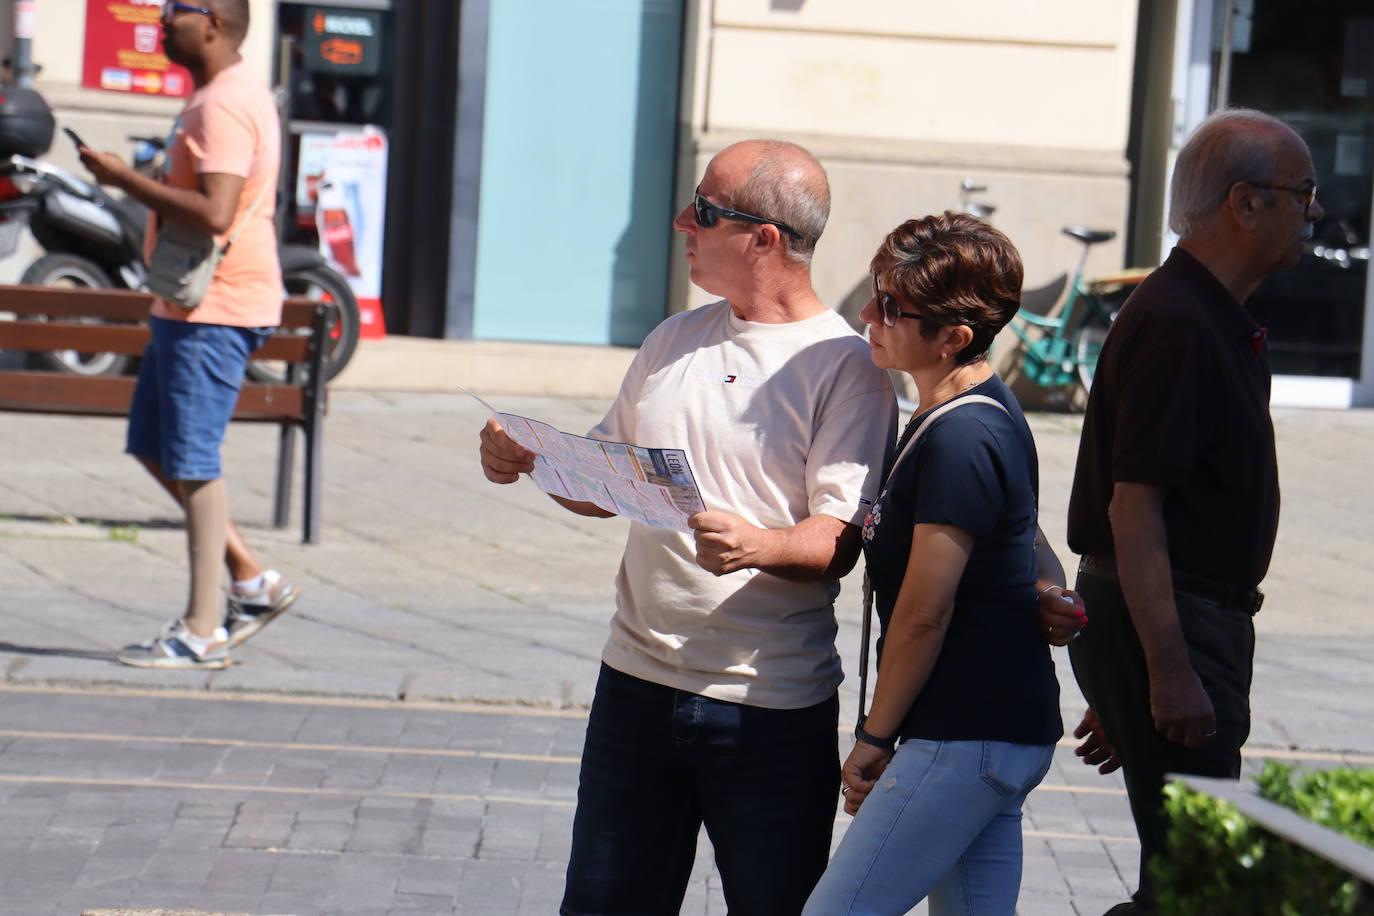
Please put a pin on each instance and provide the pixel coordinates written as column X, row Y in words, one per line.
column 944, row 822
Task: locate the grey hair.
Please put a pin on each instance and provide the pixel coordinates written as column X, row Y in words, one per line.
column 1232, row 145
column 787, row 184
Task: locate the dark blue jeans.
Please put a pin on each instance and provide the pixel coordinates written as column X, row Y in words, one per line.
column 187, row 387
column 659, row 762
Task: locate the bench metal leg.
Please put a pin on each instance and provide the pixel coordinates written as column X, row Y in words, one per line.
column 314, row 480
column 286, row 460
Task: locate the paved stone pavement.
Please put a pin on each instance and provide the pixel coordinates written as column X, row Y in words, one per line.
column 435, row 592
column 112, row 797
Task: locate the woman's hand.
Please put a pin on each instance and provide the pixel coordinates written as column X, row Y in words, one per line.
column 1061, row 614
column 860, row 774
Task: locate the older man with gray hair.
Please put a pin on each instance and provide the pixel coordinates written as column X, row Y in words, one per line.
column 716, row 702
column 1175, row 501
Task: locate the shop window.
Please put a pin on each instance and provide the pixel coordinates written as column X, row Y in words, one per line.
column 1312, row 65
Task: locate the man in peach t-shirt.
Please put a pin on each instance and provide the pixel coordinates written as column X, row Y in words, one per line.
column 220, row 180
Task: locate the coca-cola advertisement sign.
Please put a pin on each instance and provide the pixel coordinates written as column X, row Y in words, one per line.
column 123, row 50
column 341, row 180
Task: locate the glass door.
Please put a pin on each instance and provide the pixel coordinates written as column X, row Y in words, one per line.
column 1311, row 65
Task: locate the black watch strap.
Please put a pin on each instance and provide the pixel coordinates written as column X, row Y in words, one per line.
column 887, row 744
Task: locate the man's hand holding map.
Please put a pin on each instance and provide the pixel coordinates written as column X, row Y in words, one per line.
column 653, row 486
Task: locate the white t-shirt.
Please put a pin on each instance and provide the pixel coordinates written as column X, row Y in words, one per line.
column 780, row 422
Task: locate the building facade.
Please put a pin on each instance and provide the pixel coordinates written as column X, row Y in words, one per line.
column 539, row 151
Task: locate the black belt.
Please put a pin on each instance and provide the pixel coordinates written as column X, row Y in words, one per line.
column 1228, row 596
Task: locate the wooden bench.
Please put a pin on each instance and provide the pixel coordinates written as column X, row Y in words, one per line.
column 66, row 325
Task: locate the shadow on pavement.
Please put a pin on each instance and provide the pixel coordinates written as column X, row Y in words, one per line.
column 149, row 524
column 98, row 655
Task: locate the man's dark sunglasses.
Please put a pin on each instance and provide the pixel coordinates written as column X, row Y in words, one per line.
column 891, row 310
column 1307, row 191
column 708, row 214
column 171, row 7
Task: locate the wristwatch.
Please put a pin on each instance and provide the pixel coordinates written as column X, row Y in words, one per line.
column 886, row 744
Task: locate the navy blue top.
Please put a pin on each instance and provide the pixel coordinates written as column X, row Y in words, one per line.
column 975, row 468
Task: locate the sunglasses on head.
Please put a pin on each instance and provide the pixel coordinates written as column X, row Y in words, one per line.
column 172, row 7
column 708, row 214
column 891, row 310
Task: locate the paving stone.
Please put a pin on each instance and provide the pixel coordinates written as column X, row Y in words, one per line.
column 319, row 836
column 496, row 884
column 260, row 832
column 312, row 875
column 429, row 876
column 328, row 808
column 422, row 903
column 450, row 843
column 199, row 833
column 404, row 837
column 178, row 869
column 242, row 872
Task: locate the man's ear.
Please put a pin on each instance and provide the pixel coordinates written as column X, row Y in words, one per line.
column 1244, row 202
column 767, row 239
column 214, row 28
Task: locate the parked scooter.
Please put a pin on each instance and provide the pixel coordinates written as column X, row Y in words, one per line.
column 88, row 240
column 92, row 239
column 71, row 218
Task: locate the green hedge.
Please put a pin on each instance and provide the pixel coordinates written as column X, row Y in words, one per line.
column 1221, row 862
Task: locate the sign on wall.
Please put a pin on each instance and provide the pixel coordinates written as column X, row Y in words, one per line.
column 342, row 178
column 123, row 51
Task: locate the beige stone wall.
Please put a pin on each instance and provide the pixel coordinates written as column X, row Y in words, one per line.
column 903, row 99
column 1002, row 72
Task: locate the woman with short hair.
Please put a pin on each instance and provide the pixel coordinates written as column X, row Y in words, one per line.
column 965, row 680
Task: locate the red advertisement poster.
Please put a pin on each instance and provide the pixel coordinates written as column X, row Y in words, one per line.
column 124, row 50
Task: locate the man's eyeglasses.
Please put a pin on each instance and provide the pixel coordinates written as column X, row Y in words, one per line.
column 172, row 7
column 708, row 214
column 891, row 310
column 1307, row 191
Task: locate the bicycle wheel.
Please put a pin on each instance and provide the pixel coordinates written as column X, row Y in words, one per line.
column 1087, row 348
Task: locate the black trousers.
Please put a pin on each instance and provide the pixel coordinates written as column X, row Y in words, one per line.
column 659, row 762
column 1109, row 665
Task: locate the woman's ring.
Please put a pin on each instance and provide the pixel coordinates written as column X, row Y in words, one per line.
column 844, row 790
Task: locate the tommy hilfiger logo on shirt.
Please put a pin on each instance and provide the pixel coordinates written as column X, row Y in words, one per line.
column 728, row 378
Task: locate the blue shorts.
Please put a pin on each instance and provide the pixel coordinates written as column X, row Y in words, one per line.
column 187, row 388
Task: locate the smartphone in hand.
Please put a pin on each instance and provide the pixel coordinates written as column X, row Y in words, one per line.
column 75, row 138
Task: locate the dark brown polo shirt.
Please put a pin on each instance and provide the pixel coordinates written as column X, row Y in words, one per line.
column 1181, row 401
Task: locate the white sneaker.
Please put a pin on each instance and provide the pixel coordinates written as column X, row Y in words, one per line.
column 177, row 647
column 250, row 613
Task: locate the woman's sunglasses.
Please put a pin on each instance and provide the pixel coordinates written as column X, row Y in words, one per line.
column 891, row 310
column 708, row 214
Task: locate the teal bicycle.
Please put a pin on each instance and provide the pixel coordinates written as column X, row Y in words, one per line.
column 1060, row 346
